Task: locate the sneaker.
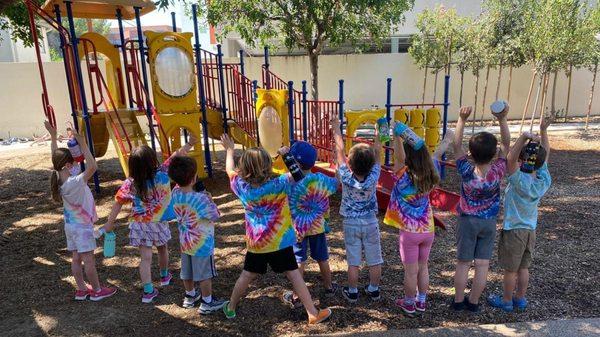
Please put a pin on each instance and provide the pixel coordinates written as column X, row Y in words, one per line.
column 375, row 295
column 166, row 280
column 474, row 308
column 322, row 316
column 351, row 297
column 520, row 303
column 333, row 290
column 497, row 301
column 103, row 293
column 408, row 308
column 208, row 308
column 148, row 297
column 457, row 306
column 230, row 314
column 190, row 301
column 291, row 300
column 420, row 306
column 82, row 295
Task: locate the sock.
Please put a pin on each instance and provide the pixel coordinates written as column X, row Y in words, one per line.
column 409, row 300
column 148, row 288
column 421, row 297
column 164, row 272
column 191, row 292
column 207, row 299
column 353, row 290
column 372, row 288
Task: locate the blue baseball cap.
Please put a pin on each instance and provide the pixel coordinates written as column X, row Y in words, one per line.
column 304, row 153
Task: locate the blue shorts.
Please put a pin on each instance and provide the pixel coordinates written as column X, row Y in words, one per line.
column 318, row 248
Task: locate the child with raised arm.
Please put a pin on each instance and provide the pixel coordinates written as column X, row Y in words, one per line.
column 68, row 184
column 195, row 213
column 528, row 181
column 478, row 207
column 359, row 178
column 269, row 231
column 410, row 211
column 148, row 189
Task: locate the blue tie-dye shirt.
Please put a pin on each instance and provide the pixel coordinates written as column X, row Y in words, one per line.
column 522, row 197
column 359, row 199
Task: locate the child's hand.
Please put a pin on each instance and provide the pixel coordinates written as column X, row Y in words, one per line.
column 546, row 121
column 335, row 123
column 227, row 142
column 531, row 136
column 77, row 136
column 192, row 140
column 50, row 128
column 283, row 150
column 465, row 112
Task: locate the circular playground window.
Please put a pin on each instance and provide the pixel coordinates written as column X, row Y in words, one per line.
column 174, row 72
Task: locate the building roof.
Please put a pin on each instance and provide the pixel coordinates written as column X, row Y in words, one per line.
column 101, row 9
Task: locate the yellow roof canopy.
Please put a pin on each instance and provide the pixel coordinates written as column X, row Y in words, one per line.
column 101, row 9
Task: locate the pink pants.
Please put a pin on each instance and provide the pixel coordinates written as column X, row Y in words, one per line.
column 415, row 247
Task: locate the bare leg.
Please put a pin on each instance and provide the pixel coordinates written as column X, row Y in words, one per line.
column 325, row 273
column 89, row 263
column 411, row 271
column 461, row 275
column 423, row 277
column 479, row 281
column 206, row 288
column 77, row 271
column 145, row 264
column 523, row 283
column 163, row 256
column 301, row 289
column 508, row 286
column 241, row 285
column 353, row 276
column 188, row 285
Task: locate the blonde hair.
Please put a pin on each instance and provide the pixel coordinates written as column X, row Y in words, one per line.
column 60, row 158
column 255, row 166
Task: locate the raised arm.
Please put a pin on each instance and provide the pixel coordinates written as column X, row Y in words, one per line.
column 443, row 145
column 463, row 116
column 545, row 142
column 90, row 162
column 338, row 141
column 52, row 132
column 399, row 155
column 182, row 151
column 377, row 146
column 512, row 159
column 229, row 145
column 504, row 131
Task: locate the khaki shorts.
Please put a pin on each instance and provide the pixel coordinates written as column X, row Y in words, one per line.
column 515, row 249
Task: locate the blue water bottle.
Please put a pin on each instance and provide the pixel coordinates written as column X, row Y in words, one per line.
column 402, row 130
column 109, row 244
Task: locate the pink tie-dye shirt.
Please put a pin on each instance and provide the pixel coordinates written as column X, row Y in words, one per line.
column 78, row 202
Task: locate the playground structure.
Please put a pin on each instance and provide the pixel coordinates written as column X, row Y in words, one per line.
column 193, row 92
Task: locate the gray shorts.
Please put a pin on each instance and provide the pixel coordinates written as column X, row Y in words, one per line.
column 197, row 268
column 359, row 237
column 475, row 238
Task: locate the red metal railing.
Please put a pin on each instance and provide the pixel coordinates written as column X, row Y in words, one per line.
column 240, row 100
column 319, row 133
column 210, row 75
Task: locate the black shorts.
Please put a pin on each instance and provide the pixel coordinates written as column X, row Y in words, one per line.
column 280, row 261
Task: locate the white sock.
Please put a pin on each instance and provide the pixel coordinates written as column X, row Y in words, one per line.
column 207, row 299
column 372, row 288
column 191, row 292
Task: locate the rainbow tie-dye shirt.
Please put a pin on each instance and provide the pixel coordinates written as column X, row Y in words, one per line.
column 409, row 210
column 157, row 206
column 78, row 202
column 195, row 213
column 268, row 220
column 480, row 196
column 309, row 203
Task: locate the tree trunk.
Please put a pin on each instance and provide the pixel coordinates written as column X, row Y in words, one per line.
column 314, row 74
column 435, row 85
column 475, row 104
column 535, row 103
column 509, row 84
column 553, row 104
column 499, row 80
column 543, row 87
column 462, row 82
column 589, row 110
column 424, row 85
column 528, row 100
column 487, row 78
column 570, row 77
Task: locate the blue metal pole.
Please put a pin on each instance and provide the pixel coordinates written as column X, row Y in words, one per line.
column 304, row 112
column 254, row 99
column 78, row 72
column 124, row 51
column 266, row 65
column 200, row 78
column 138, row 23
column 291, row 111
column 173, row 22
column 67, row 71
column 388, row 115
column 222, row 88
column 445, row 125
column 341, row 104
column 242, row 62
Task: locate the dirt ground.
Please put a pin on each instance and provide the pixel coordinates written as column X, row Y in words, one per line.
column 36, row 285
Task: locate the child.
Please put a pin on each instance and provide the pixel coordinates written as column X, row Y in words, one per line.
column 195, row 212
column 309, row 205
column 517, row 238
column 478, row 206
column 148, row 188
column 359, row 209
column 410, row 211
column 269, row 232
column 69, row 184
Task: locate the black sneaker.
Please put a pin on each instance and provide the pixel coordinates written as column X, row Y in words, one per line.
column 190, row 301
column 208, row 308
column 333, row 290
column 457, row 306
column 375, row 295
column 351, row 297
column 474, row 308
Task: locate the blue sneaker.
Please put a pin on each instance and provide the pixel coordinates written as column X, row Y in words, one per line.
column 497, row 302
column 520, row 303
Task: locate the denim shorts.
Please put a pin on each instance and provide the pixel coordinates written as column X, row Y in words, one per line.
column 197, row 268
column 318, row 248
column 362, row 235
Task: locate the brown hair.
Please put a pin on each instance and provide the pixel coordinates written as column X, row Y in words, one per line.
column 255, row 166
column 483, row 147
column 361, row 159
column 60, row 158
column 182, row 170
column 142, row 169
column 421, row 170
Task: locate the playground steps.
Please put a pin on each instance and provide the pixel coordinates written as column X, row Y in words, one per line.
column 126, row 134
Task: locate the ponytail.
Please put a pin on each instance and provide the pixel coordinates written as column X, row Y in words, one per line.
column 54, row 189
column 60, row 158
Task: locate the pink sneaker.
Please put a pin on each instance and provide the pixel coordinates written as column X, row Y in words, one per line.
column 103, row 293
column 420, row 306
column 82, row 295
column 165, row 281
column 408, row 308
column 148, row 297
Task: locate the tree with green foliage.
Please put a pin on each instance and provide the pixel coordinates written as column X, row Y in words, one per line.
column 475, row 56
column 14, row 18
column 99, row 26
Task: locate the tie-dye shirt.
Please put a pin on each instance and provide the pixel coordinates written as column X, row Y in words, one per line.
column 78, row 202
column 268, row 220
column 309, row 203
column 157, row 206
column 480, row 196
column 359, row 199
column 409, row 210
column 195, row 213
